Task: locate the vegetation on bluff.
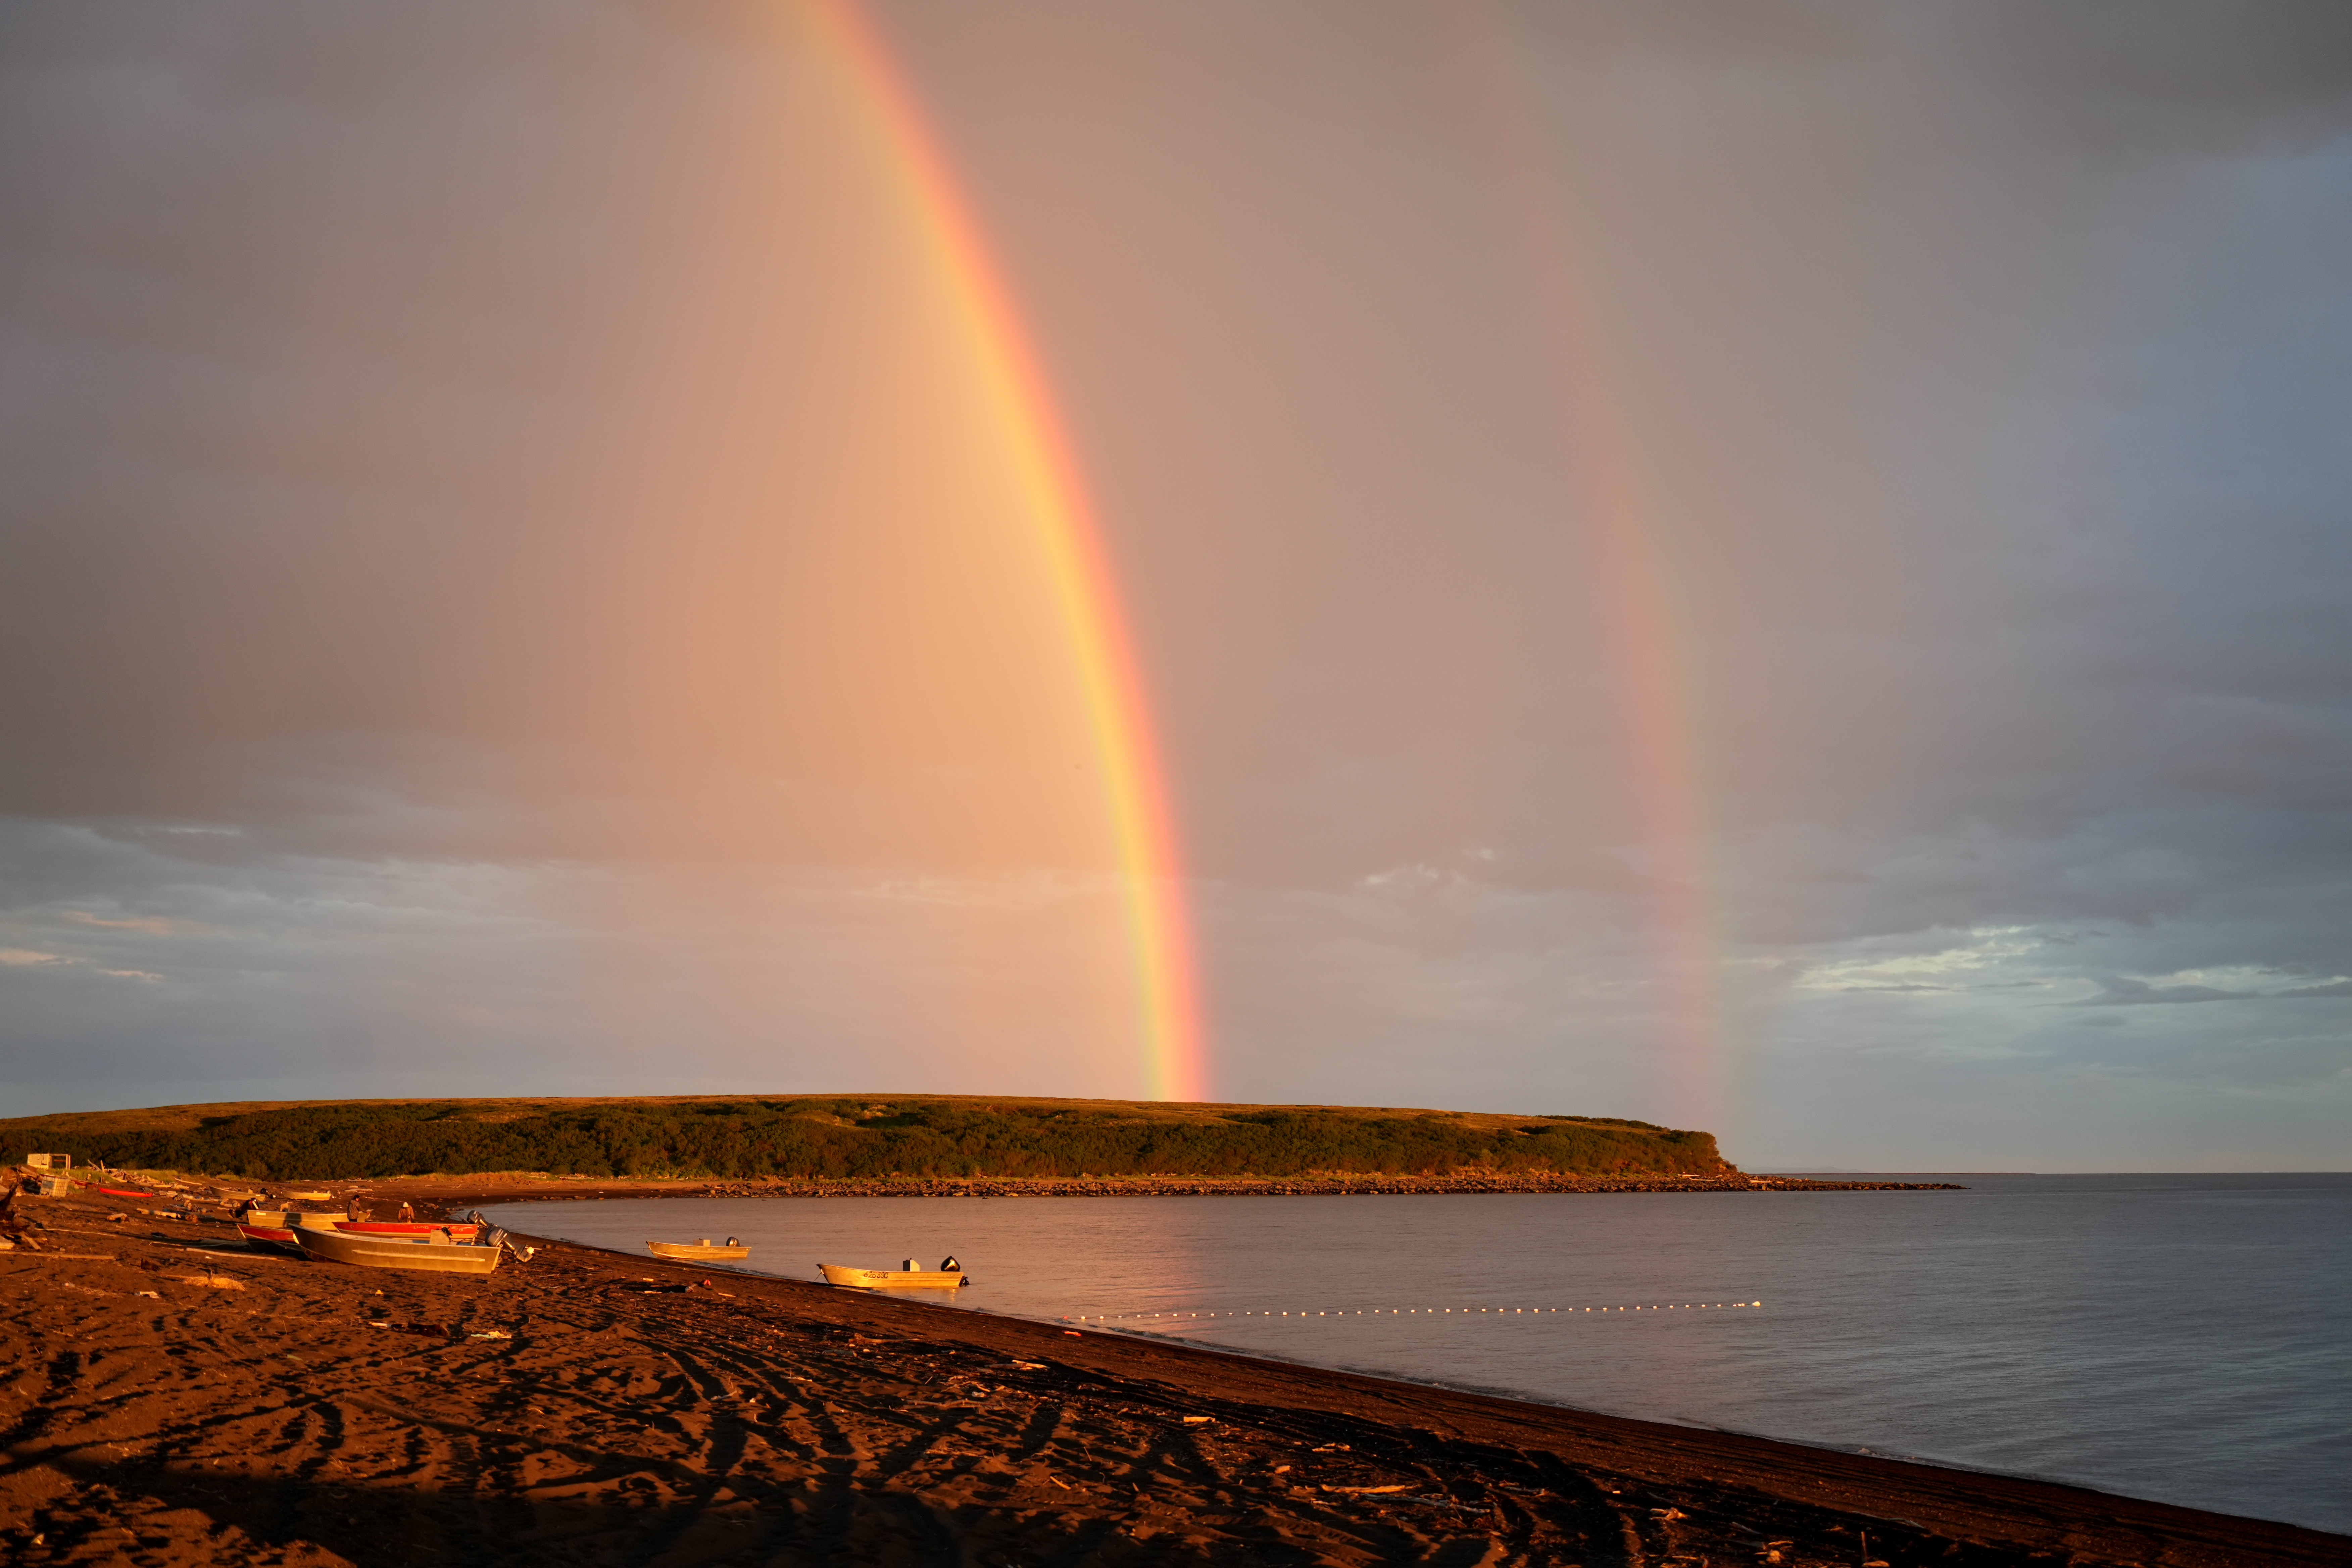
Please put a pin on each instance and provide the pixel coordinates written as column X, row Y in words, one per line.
column 849, row 1138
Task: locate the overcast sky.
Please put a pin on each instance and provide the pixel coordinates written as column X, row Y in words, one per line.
column 502, row 591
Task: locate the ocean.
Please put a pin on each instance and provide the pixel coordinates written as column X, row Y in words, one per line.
column 2182, row 1338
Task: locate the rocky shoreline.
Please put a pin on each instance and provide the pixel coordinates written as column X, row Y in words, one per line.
column 1334, row 1185
column 461, row 1190
column 437, row 1196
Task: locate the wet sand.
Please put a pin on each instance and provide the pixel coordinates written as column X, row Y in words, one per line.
column 166, row 1399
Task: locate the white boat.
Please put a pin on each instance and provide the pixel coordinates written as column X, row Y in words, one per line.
column 908, row 1278
column 424, row 1254
column 703, row 1251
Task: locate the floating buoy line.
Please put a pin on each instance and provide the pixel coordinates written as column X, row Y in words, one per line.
column 1149, row 1319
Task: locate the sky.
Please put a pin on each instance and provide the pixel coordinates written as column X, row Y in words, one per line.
column 1781, row 566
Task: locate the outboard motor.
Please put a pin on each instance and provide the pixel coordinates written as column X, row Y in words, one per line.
column 496, row 1236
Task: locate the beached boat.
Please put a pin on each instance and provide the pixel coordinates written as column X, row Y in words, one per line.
column 416, row 1253
column 893, row 1278
column 268, row 1237
column 703, row 1251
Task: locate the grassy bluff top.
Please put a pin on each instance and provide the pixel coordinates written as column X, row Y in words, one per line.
column 853, row 1137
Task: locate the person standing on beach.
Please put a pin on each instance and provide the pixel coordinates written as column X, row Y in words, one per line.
column 12, row 1224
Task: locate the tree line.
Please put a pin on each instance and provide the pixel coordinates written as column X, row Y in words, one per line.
column 850, row 1139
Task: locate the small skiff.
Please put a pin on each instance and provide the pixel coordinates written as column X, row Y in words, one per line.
column 268, row 1237
column 399, row 1252
column 893, row 1278
column 703, row 1251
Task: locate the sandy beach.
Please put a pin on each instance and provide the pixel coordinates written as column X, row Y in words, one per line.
column 167, row 1398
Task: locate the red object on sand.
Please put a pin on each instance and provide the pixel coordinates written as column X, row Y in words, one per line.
column 404, row 1227
column 270, row 1239
column 124, row 1193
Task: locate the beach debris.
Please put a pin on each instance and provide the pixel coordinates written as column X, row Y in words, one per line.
column 1197, row 1420
column 432, row 1330
column 152, row 1295
column 213, row 1282
column 1669, row 1513
column 1369, row 1491
column 490, row 1335
column 1030, row 1366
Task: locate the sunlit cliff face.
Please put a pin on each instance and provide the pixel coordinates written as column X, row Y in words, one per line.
column 1770, row 566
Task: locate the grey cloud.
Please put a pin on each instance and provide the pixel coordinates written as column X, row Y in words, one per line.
column 2339, row 988
column 2127, row 993
column 2183, row 78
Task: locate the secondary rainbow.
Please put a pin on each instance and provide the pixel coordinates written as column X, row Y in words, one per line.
column 1651, row 634
column 1069, row 541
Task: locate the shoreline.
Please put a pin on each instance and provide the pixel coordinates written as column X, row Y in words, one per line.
column 513, row 1187
column 169, row 1398
column 444, row 1191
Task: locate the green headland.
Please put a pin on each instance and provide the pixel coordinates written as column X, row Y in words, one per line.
column 852, row 1137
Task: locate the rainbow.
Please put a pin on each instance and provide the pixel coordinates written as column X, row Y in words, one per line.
column 1054, row 497
column 1665, row 754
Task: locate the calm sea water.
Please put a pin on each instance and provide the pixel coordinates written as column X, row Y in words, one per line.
column 2182, row 1338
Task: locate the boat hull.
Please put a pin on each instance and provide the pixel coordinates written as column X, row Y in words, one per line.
column 396, row 1252
column 687, row 1252
column 893, row 1278
column 270, row 1239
